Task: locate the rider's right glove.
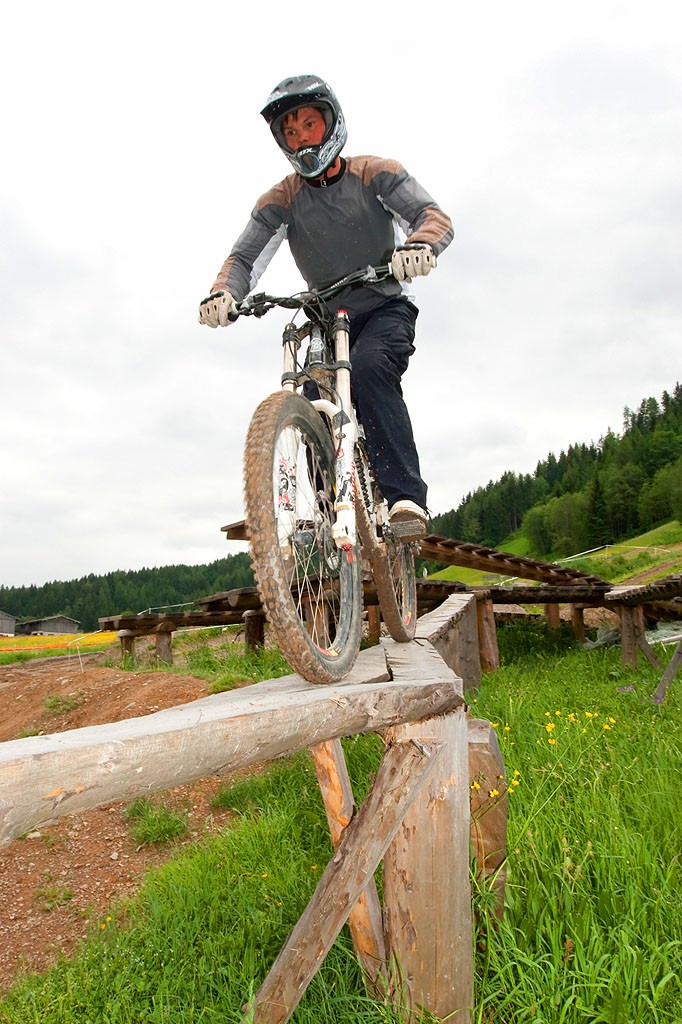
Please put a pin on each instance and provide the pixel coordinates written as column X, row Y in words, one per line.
column 216, row 309
column 410, row 261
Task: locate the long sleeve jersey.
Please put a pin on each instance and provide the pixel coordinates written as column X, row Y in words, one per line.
column 335, row 226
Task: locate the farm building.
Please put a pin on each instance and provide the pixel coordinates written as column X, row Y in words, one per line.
column 50, row 624
column 7, row 623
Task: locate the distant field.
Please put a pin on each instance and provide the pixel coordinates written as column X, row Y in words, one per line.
column 25, row 648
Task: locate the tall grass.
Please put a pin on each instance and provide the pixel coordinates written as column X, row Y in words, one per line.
column 592, row 930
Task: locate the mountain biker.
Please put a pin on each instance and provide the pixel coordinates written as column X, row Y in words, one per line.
column 339, row 214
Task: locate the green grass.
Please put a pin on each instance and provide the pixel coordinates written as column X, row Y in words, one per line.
column 152, row 823
column 592, row 930
column 59, row 704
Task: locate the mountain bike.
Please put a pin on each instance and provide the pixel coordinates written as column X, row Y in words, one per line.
column 317, row 523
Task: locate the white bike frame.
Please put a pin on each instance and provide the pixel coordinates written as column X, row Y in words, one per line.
column 343, row 424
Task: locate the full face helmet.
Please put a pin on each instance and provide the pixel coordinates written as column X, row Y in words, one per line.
column 307, row 91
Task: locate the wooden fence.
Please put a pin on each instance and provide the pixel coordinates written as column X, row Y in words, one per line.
column 416, row 816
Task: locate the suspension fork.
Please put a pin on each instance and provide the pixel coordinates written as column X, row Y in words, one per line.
column 345, row 437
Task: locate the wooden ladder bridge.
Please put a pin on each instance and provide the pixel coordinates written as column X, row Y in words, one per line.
column 552, row 586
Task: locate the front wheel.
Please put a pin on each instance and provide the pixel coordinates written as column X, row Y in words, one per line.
column 311, row 589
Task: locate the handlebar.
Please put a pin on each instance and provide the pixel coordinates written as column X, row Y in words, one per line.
column 260, row 304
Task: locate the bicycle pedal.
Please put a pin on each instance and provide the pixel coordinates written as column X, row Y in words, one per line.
column 406, row 530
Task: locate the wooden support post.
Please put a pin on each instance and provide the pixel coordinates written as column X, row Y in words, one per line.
column 254, row 629
column 164, row 644
column 578, row 622
column 402, row 772
column 628, row 636
column 373, row 624
column 427, row 897
column 668, row 675
column 488, row 813
column 127, row 639
column 552, row 617
column 487, row 635
column 364, row 921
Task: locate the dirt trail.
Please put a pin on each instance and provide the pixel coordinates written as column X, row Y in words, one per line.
column 57, row 882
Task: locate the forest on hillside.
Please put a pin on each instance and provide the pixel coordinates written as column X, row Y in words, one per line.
column 591, row 494
column 92, row 597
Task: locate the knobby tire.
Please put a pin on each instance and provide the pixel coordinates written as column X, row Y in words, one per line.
column 311, row 590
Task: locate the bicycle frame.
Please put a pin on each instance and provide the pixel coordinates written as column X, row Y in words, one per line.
column 339, row 413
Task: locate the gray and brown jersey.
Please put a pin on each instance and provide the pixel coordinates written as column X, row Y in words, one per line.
column 336, row 226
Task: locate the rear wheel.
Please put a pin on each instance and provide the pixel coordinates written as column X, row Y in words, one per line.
column 310, row 588
column 392, row 562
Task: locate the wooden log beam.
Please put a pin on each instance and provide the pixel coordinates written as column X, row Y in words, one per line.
column 43, row 778
column 141, row 625
column 364, row 921
column 402, row 772
column 593, row 595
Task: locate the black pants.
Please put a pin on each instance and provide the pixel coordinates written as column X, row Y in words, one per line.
column 381, row 343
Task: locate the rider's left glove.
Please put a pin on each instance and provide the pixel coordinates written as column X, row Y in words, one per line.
column 216, row 309
column 410, row 261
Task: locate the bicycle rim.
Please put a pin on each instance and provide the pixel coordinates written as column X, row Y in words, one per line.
column 310, row 588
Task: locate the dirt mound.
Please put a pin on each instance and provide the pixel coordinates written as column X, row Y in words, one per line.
column 56, row 883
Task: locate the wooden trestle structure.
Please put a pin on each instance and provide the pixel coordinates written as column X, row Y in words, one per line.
column 552, row 585
column 416, row 950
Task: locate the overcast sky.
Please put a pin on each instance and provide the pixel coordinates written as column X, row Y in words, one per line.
column 133, row 152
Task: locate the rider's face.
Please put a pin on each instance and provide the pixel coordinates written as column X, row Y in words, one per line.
column 303, row 127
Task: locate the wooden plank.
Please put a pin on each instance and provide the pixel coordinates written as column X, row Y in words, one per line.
column 46, row 777
column 452, row 629
column 427, row 899
column 488, row 812
column 404, row 769
column 364, row 921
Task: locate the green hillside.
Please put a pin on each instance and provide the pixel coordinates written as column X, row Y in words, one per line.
column 649, row 556
column 595, row 493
